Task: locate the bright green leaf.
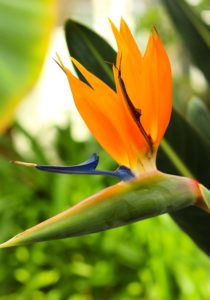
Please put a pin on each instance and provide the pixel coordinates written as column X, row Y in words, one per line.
column 25, row 28
column 147, row 196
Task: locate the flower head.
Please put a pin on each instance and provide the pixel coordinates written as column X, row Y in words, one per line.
column 130, row 122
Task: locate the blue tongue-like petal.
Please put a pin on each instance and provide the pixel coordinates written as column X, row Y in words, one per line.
column 89, row 167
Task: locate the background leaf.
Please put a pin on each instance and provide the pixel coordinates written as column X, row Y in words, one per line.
column 179, row 154
column 194, row 32
column 25, row 27
column 199, row 117
column 90, row 50
column 187, row 146
column 196, row 37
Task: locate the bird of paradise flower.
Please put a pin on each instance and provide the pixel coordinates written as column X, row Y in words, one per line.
column 129, row 123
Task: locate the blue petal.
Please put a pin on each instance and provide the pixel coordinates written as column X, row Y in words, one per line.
column 124, row 173
column 89, row 167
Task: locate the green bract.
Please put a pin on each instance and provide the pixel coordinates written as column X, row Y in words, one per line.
column 149, row 195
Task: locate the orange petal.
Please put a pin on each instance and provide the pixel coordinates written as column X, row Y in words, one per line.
column 155, row 89
column 147, row 80
column 106, row 103
column 165, row 88
column 129, row 40
column 130, row 58
column 137, row 143
column 99, row 110
column 148, row 90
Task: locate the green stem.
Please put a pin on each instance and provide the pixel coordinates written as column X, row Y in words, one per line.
column 175, row 159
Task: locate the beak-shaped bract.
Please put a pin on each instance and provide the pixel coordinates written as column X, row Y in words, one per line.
column 147, row 196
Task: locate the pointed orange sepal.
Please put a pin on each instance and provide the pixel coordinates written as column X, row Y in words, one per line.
column 128, row 123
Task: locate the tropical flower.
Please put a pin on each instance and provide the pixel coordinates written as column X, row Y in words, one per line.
column 128, row 122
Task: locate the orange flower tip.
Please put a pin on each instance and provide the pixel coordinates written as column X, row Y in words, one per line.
column 60, row 66
column 154, row 29
column 110, row 21
column 59, row 62
column 76, row 63
column 122, row 21
column 114, row 28
column 25, row 164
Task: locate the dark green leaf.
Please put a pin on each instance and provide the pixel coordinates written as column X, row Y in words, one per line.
column 90, row 50
column 192, row 153
column 190, row 156
column 199, row 116
column 194, row 32
column 183, row 151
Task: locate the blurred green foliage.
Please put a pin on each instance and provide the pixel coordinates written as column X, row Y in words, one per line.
column 148, row 260
column 25, row 28
column 152, row 259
